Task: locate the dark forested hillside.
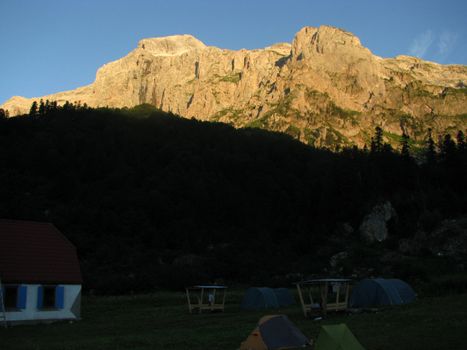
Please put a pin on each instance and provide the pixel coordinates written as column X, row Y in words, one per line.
column 154, row 200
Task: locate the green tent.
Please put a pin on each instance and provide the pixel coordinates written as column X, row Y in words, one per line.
column 337, row 337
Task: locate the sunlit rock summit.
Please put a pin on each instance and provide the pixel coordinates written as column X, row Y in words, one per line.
column 325, row 88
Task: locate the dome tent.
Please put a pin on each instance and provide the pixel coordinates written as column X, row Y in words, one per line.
column 275, row 332
column 339, row 336
column 380, row 291
column 259, row 298
column 284, row 297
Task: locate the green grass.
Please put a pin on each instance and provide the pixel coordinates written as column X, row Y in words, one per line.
column 462, row 117
column 345, row 114
column 281, row 107
column 416, row 89
column 293, row 131
column 331, row 108
column 261, row 123
column 161, row 321
column 231, row 78
column 233, row 114
column 312, row 94
column 394, row 139
column 456, row 91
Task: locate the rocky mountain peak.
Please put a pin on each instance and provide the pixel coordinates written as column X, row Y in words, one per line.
column 325, row 88
column 280, row 48
column 171, row 45
column 311, row 41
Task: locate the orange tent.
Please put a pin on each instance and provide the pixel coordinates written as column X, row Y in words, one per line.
column 275, row 332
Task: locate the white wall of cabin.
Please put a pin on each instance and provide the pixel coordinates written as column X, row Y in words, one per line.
column 32, row 313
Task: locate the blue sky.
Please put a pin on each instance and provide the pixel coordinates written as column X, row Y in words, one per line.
column 54, row 45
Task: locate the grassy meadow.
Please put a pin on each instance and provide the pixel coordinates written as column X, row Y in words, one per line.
column 162, row 321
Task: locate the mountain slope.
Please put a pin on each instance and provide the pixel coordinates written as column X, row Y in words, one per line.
column 325, row 88
column 153, row 200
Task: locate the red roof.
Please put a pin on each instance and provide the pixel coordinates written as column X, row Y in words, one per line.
column 36, row 252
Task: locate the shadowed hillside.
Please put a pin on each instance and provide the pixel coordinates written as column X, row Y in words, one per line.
column 154, row 200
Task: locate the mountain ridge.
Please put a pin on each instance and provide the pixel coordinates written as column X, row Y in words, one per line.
column 325, row 88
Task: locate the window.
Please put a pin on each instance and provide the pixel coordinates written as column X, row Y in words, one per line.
column 50, row 297
column 14, row 297
column 10, row 296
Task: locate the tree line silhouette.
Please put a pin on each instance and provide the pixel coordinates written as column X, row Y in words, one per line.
column 153, row 200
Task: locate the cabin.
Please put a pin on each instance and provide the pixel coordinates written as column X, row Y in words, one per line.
column 40, row 274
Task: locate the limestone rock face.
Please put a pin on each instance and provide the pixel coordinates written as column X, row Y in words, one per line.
column 373, row 227
column 171, row 45
column 324, row 89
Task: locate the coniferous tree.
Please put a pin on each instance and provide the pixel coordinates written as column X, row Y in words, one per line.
column 3, row 113
column 151, row 157
column 460, row 141
column 377, row 141
column 67, row 106
column 41, row 108
column 33, row 109
column 447, row 147
column 405, row 141
column 387, row 148
column 430, row 148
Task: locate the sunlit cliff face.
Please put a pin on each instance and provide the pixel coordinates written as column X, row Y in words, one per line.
column 325, row 88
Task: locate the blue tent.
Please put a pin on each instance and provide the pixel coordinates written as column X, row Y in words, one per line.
column 284, row 297
column 380, row 291
column 259, row 298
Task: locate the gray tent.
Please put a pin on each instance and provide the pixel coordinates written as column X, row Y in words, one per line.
column 380, row 291
column 275, row 332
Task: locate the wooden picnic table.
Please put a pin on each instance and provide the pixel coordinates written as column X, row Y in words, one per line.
column 206, row 297
column 323, row 295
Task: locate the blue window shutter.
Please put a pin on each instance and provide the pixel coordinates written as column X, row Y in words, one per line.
column 59, row 297
column 21, row 301
column 40, row 297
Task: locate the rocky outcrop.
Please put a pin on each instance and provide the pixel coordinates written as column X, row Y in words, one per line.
column 373, row 227
column 450, row 239
column 325, row 88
